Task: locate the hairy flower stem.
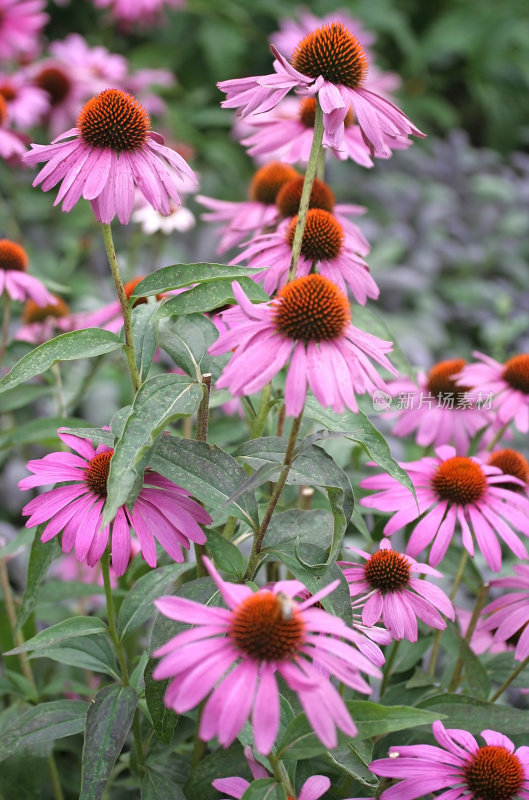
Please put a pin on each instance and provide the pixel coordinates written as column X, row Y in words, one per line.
column 514, row 674
column 280, row 773
column 6, row 318
column 310, row 174
column 498, row 437
column 437, row 639
column 201, row 434
column 253, row 561
column 259, row 421
column 125, row 307
column 118, row 647
column 480, row 602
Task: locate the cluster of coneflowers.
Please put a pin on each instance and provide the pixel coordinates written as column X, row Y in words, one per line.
column 230, row 660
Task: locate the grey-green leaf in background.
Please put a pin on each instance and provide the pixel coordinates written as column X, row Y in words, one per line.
column 74, row 627
column 138, row 604
column 186, row 339
column 144, row 335
column 85, row 343
column 40, row 557
column 158, row 401
column 43, row 723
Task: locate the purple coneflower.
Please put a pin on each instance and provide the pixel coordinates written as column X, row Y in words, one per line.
column 330, row 63
column 439, row 410
column 42, row 323
column 312, row 789
column 233, row 656
column 12, row 144
column 147, row 12
column 14, row 279
column 26, row 104
column 453, row 489
column 308, row 326
column 259, row 211
column 509, row 382
column 111, row 151
column 459, row 768
column 21, row 22
column 387, row 587
column 509, row 614
column 162, row 511
column 327, row 242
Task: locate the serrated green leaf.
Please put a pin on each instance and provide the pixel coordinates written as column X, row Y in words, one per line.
column 476, row 715
column 348, row 760
column 358, row 428
column 156, row 786
column 207, row 472
column 226, row 555
column 108, row 722
column 187, row 339
column 40, row 558
column 371, row 719
column 85, row 343
column 158, row 401
column 43, row 723
column 209, row 296
column 144, row 335
column 177, row 276
column 138, row 605
column 74, row 627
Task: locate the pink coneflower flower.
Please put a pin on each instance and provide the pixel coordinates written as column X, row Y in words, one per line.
column 12, row 145
column 26, row 104
column 291, row 31
column 331, row 64
column 439, row 410
column 312, row 789
column 326, row 241
column 495, row 771
column 251, row 216
column 509, row 614
column 21, row 22
column 14, row 279
column 509, row 382
column 41, row 323
column 453, row 489
column 511, row 462
column 308, row 325
column 145, row 11
column 162, row 512
column 258, row 635
column 387, row 587
column 111, row 151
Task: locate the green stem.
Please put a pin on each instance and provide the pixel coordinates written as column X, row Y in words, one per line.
column 310, row 174
column 6, row 318
column 229, row 528
column 274, row 499
column 125, row 307
column 201, row 435
column 280, row 774
column 480, row 602
column 498, row 436
column 384, row 784
column 509, row 680
column 199, row 746
column 388, row 666
column 259, row 421
column 455, row 587
column 18, row 639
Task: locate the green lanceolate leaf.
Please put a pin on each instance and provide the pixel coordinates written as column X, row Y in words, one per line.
column 156, row 786
column 178, row 276
column 265, row 789
column 209, row 296
column 226, row 555
column 475, row 674
column 220, row 764
column 186, row 339
column 476, row 715
column 89, row 652
column 207, row 472
column 67, row 629
column 138, row 605
column 108, row 722
column 96, row 435
column 40, row 558
column 358, row 428
column 43, row 723
column 158, row 401
column 85, row 343
column 371, row 719
column 144, row 335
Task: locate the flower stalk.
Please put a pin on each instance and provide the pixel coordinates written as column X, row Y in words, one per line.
column 310, row 174
column 201, row 435
column 125, row 307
